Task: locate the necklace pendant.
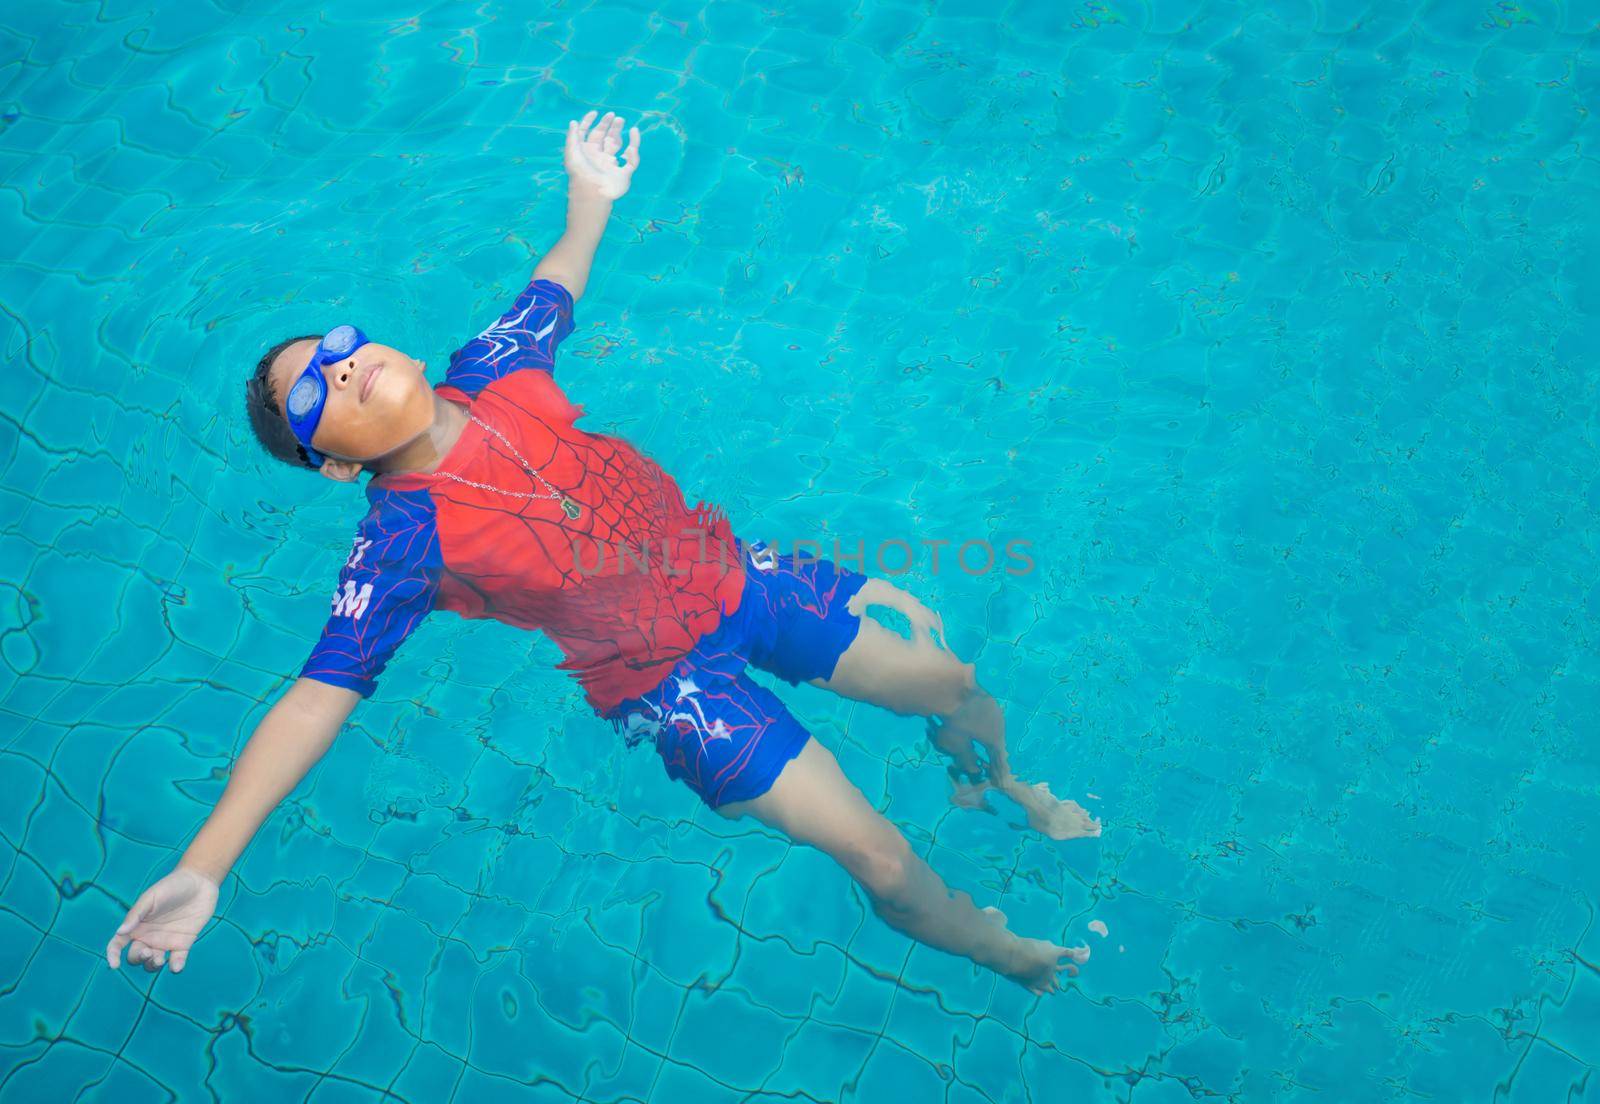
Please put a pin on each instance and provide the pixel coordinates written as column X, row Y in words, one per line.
column 571, row 508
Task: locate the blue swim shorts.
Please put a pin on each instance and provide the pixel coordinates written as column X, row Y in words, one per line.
column 716, row 728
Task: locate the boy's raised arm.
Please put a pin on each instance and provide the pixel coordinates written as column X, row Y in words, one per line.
column 294, row 734
column 288, row 742
column 594, row 182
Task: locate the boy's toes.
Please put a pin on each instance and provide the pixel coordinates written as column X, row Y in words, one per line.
column 1041, row 964
column 1052, row 983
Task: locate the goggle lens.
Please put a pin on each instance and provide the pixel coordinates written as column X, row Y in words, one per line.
column 341, row 341
column 303, row 396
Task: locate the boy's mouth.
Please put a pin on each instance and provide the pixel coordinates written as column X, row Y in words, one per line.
column 366, row 384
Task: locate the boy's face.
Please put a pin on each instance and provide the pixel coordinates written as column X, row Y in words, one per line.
column 378, row 399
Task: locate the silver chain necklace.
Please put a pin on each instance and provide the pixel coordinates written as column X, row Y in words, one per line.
column 568, row 505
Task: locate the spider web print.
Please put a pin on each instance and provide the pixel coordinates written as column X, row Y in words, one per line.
column 389, row 582
column 624, row 590
column 712, row 725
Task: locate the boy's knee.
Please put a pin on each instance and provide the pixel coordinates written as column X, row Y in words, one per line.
column 885, row 873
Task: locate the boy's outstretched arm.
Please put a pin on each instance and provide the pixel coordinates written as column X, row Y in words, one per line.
column 294, row 734
column 594, row 182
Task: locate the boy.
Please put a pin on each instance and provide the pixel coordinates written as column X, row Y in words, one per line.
column 486, row 499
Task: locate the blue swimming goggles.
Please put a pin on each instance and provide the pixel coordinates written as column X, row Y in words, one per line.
column 310, row 392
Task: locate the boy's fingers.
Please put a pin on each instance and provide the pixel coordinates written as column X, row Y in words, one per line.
column 583, row 124
column 630, row 156
column 178, row 959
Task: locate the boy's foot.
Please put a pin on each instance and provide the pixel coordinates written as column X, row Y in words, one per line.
column 1036, row 964
column 1055, row 817
column 1047, row 813
column 1039, row 964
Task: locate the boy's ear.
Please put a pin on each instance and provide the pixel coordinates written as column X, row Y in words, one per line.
column 340, row 471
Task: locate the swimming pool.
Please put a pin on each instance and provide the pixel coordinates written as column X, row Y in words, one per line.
column 1272, row 333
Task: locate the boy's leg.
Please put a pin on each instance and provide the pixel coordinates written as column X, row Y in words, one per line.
column 813, row 803
column 922, row 677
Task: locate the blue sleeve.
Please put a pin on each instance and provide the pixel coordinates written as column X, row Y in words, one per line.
column 387, row 586
column 525, row 336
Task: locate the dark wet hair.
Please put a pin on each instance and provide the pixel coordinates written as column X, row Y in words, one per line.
column 261, row 403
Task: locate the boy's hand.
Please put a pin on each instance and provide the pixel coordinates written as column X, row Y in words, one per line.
column 591, row 157
column 166, row 917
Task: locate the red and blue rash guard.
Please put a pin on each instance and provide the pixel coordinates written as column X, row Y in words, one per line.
column 624, row 591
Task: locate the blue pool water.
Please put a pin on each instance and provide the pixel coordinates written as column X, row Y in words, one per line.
column 1273, row 333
